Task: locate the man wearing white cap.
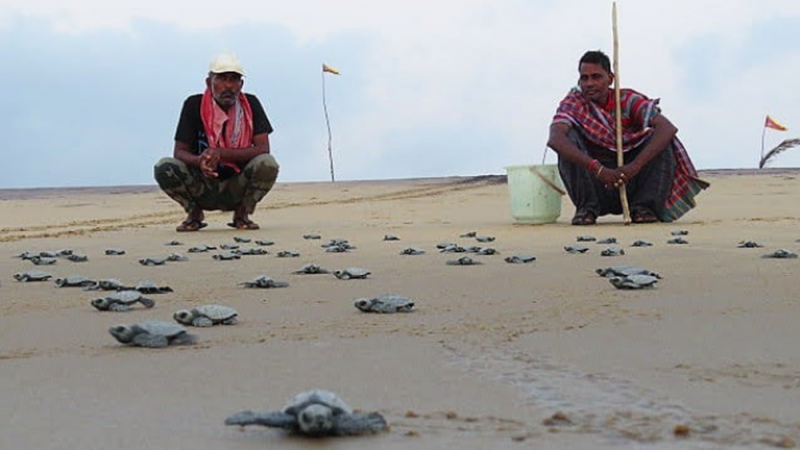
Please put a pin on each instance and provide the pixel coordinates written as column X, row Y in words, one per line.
column 221, row 159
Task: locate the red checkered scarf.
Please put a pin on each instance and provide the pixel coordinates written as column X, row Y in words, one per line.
column 239, row 131
column 598, row 125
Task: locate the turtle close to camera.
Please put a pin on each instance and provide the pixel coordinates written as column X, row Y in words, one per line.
column 314, row 413
column 152, row 334
column 122, row 301
column 386, row 304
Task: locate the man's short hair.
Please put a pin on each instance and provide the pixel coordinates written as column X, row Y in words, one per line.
column 596, row 57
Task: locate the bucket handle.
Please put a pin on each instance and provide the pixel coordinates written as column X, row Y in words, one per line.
column 547, row 181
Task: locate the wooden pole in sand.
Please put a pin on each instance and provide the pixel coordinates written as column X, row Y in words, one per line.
column 623, row 193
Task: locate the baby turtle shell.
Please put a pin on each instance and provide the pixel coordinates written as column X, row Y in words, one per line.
column 201, row 249
column 32, row 275
column 115, row 251
column 485, row 239
column 576, row 249
column 264, row 242
column 226, row 256
column 153, row 261
column 314, row 413
column 152, row 334
column 43, row 260
column 264, row 282
column 641, row 243
column 463, row 261
column 639, row 281
column 781, row 254
column 749, row 244
column 585, row 238
column 77, row 257
column 623, row 270
column 520, row 259
column 679, row 232
column 351, row 273
column 75, row 281
column 310, row 269
column 122, row 301
column 390, row 237
column 609, row 240
column 412, row 251
column 149, row 287
column 241, row 240
column 312, row 236
column 251, row 251
column 678, row 240
column 612, row 251
column 386, row 304
column 288, row 254
column 469, row 234
column 207, row 315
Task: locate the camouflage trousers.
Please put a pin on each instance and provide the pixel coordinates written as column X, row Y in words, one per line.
column 189, row 187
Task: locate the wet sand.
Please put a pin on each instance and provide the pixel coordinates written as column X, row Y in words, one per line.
column 490, row 355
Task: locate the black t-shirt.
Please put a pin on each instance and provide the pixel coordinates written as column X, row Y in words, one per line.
column 190, row 126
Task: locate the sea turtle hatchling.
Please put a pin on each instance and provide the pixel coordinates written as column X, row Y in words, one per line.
column 122, row 301
column 206, row 316
column 288, row 254
column 576, row 249
column 390, row 237
column 608, row 240
column 107, row 284
column 152, row 334
column 679, row 232
column 312, row 236
column 612, row 251
column 115, row 251
column 43, row 260
column 251, row 251
column 678, row 240
column 32, row 275
column 485, row 239
column 264, row 242
column 226, row 256
column 641, row 243
column 75, row 281
column 242, row 240
column 77, row 257
column 314, row 413
column 264, row 282
column 412, row 251
column 229, row 246
column 520, row 259
column 637, row 281
column 623, row 270
column 351, row 273
column 201, row 248
column 175, row 257
column 749, row 244
column 463, row 261
column 160, row 261
column 386, row 304
column 585, row 238
column 337, row 249
column 781, row 254
column 149, row 287
column 469, row 234
column 310, row 269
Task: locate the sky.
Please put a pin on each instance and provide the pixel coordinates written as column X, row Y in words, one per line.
column 430, row 88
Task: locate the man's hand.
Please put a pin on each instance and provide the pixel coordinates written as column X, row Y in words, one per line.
column 209, row 161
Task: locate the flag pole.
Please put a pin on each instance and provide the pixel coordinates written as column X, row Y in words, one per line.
column 328, row 124
column 623, row 193
column 763, row 134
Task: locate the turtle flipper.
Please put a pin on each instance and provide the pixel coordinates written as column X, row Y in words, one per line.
column 150, row 340
column 357, row 423
column 148, row 303
column 119, row 307
column 276, row 419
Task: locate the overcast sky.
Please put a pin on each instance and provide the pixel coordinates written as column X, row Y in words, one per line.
column 93, row 90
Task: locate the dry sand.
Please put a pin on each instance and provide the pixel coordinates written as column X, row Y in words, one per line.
column 491, row 352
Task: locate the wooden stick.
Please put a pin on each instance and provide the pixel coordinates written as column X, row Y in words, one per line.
column 623, row 193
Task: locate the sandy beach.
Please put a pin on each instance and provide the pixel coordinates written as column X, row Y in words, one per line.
column 545, row 355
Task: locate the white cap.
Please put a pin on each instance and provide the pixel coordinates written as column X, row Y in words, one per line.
column 225, row 62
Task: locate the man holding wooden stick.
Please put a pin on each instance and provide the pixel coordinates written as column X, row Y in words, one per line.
column 659, row 178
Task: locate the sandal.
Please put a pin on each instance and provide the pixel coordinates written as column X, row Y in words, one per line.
column 584, row 218
column 191, row 225
column 643, row 215
column 243, row 224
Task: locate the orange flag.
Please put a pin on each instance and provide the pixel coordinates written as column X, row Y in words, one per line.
column 329, row 69
column 774, row 124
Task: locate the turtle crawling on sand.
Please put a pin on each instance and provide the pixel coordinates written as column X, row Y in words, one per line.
column 314, row 413
column 386, row 304
column 152, row 334
column 75, row 281
column 264, row 282
column 623, row 270
column 637, row 281
column 749, row 244
column 412, row 251
column 207, row 315
column 32, row 275
column 612, row 251
column 463, row 261
column 576, row 249
column 781, row 254
column 520, row 259
column 159, row 261
column 351, row 273
column 310, row 269
column 149, row 287
column 122, row 301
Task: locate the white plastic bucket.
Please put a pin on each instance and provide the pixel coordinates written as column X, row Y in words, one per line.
column 535, row 193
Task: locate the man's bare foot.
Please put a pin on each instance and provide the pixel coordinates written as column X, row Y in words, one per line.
column 193, row 222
